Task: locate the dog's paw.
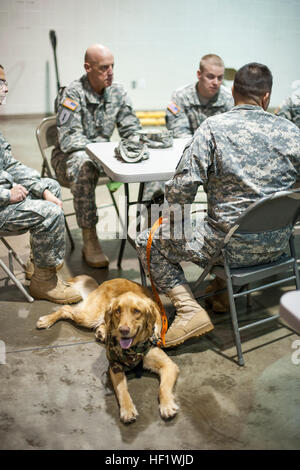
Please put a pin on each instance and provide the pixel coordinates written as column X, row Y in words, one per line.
column 100, row 333
column 128, row 415
column 168, row 410
column 43, row 322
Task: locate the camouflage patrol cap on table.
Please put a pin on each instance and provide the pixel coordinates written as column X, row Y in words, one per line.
column 158, row 138
column 132, row 150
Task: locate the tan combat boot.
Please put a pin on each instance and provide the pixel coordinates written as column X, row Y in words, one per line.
column 219, row 302
column 190, row 320
column 45, row 285
column 30, row 267
column 92, row 251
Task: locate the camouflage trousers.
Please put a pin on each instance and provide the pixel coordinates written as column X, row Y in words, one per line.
column 199, row 245
column 46, row 224
column 153, row 187
column 80, row 173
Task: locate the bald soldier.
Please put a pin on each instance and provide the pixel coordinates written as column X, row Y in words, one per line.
column 192, row 104
column 88, row 111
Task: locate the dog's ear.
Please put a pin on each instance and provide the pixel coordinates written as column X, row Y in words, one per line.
column 108, row 316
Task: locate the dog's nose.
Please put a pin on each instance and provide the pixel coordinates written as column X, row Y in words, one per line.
column 124, row 330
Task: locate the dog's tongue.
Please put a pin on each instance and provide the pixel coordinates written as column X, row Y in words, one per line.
column 125, row 343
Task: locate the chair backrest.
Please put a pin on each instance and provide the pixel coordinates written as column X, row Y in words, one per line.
column 46, row 134
column 273, row 212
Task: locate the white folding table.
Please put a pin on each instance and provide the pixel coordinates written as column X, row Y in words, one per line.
column 290, row 309
column 160, row 166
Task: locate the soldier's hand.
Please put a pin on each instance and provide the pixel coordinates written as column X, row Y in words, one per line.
column 18, row 193
column 48, row 196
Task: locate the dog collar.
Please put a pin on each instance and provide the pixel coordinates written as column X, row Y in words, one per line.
column 122, row 360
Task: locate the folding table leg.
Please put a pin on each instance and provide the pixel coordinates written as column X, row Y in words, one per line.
column 123, row 241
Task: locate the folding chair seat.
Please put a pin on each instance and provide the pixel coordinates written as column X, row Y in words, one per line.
column 46, row 134
column 13, row 255
column 278, row 211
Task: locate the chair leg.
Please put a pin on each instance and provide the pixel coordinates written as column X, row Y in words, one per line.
column 294, row 255
column 143, row 275
column 69, row 235
column 16, row 281
column 249, row 298
column 233, row 315
column 11, row 252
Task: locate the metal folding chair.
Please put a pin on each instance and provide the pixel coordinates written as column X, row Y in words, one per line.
column 13, row 255
column 46, row 134
column 278, row 211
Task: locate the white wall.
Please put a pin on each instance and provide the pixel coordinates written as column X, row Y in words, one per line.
column 158, row 42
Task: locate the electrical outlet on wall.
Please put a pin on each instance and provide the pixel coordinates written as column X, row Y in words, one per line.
column 139, row 83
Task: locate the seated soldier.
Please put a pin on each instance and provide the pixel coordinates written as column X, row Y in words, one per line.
column 192, row 104
column 290, row 108
column 28, row 201
column 238, row 157
column 88, row 111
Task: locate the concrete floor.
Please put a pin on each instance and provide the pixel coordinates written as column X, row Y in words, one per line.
column 55, row 393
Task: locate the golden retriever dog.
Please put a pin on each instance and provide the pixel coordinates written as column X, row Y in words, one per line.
column 125, row 317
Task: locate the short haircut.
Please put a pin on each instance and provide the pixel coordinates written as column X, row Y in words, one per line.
column 253, row 80
column 212, row 59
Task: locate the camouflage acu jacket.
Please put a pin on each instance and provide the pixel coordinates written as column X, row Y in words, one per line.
column 84, row 116
column 14, row 172
column 290, row 108
column 238, row 157
column 185, row 113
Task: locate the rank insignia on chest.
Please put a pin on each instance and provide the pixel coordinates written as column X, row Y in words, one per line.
column 70, row 104
column 173, row 108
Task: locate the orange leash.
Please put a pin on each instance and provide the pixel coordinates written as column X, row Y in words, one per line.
column 156, row 296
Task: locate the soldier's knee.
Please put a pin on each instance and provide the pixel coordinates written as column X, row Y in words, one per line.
column 141, row 240
column 78, row 158
column 55, row 212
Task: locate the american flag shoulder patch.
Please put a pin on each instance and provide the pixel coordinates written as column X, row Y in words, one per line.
column 173, row 108
column 70, row 104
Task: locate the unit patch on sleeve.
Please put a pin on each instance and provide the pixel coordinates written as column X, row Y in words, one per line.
column 70, row 104
column 173, row 108
column 63, row 116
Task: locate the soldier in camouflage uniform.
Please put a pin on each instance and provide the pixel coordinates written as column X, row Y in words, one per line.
column 290, row 108
column 238, row 157
column 88, row 111
column 192, row 104
column 30, row 202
